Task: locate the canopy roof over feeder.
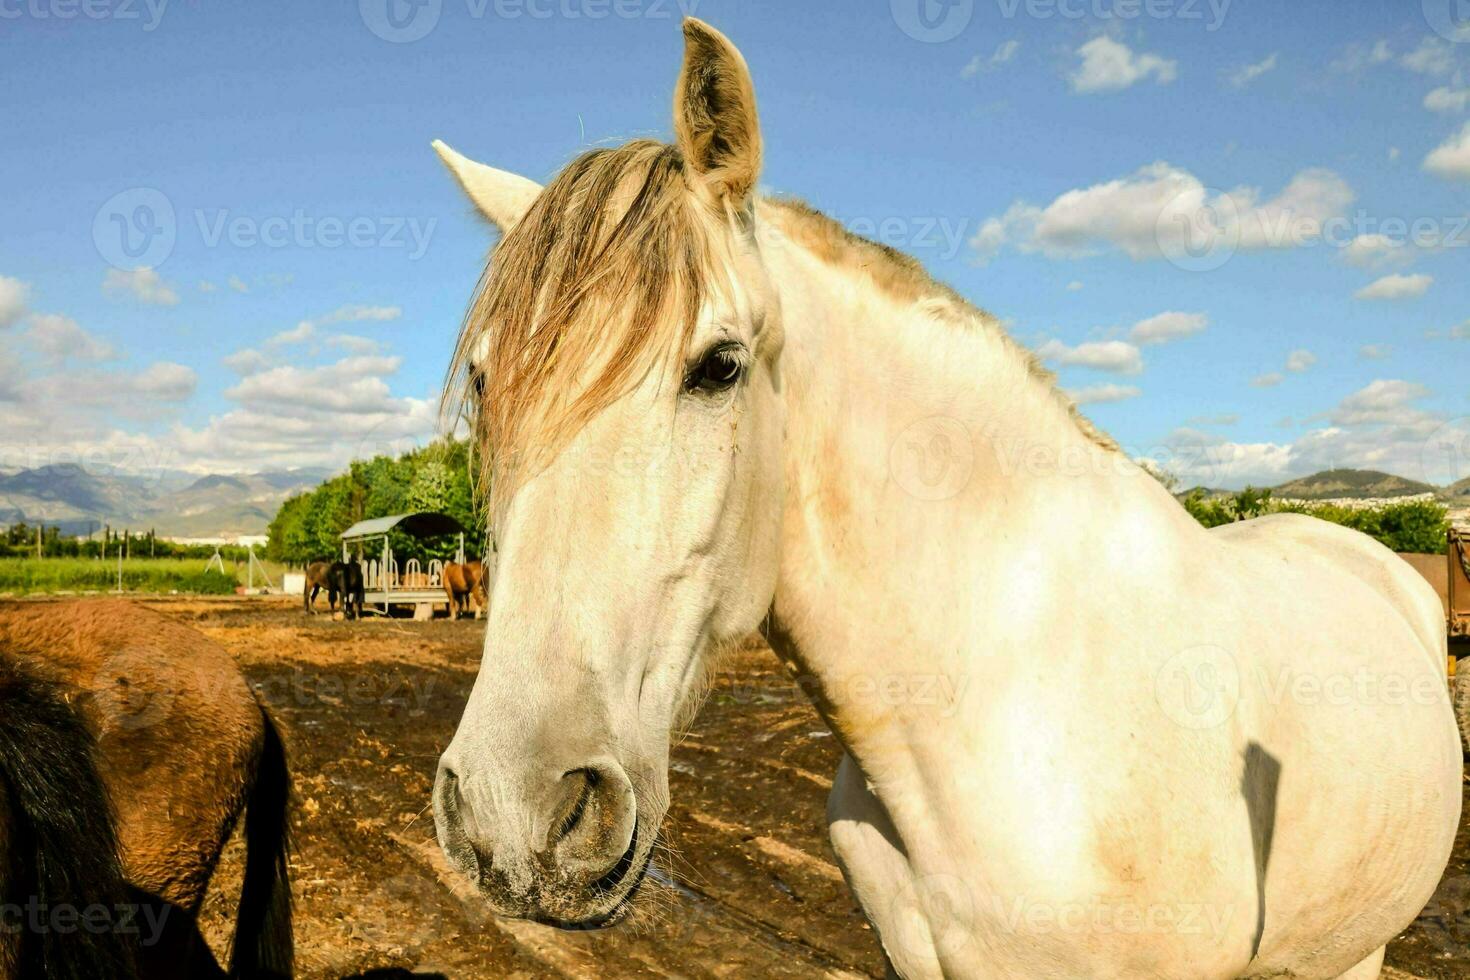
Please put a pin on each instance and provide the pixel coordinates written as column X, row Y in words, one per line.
column 421, row 525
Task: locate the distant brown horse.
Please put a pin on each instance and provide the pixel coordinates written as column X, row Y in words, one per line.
column 318, row 577
column 465, row 585
column 183, row 748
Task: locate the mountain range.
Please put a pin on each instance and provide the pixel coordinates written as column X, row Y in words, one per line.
column 1345, row 484
column 185, row 505
column 175, row 504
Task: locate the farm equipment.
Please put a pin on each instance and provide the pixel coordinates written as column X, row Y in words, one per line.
column 387, row 583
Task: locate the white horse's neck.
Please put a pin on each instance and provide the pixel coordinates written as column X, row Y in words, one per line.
column 938, row 495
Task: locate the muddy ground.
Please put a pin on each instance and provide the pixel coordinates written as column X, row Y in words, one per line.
column 748, row 886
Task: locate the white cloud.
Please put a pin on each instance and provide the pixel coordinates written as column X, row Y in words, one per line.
column 1165, row 327
column 1246, row 74
column 1433, row 56
column 321, row 416
column 1393, row 154
column 1162, row 210
column 1396, row 286
column 307, row 329
column 1001, row 56
column 1299, row 361
column 353, row 385
column 1207, row 459
column 237, row 284
column 1117, row 356
column 1111, row 66
column 1381, row 426
column 1102, row 393
column 1360, row 56
column 1374, row 250
column 165, row 381
column 247, row 361
column 58, row 338
column 358, row 314
column 72, row 404
column 12, row 377
column 1451, row 159
column 354, row 344
column 14, row 295
column 142, row 284
column 1460, row 331
column 302, row 331
column 1356, row 57
column 1448, row 99
column 1375, row 352
column 1382, row 401
column 205, row 286
column 1074, row 286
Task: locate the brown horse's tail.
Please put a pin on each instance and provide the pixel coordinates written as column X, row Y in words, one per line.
column 263, row 945
column 58, row 841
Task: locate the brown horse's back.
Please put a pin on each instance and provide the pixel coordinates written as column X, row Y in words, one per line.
column 178, row 727
column 58, row 839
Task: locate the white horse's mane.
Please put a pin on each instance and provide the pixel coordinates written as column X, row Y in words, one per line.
column 904, row 277
column 603, row 278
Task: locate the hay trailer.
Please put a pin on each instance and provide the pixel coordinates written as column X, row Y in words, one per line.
column 386, row 583
column 1449, row 573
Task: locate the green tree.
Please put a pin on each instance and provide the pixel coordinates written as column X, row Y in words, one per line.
column 436, row 477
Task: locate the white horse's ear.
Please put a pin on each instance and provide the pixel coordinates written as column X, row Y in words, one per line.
column 715, row 121
column 501, row 196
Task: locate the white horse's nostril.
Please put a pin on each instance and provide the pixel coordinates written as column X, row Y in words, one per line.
column 455, row 823
column 576, row 792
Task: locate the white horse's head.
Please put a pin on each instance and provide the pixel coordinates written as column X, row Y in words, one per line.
column 621, row 364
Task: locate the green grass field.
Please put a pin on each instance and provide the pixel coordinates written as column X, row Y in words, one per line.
column 26, row 576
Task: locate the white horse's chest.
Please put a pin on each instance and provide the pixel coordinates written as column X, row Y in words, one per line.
column 1175, row 815
column 1038, row 861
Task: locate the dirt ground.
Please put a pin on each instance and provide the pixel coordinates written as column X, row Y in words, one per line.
column 748, row 887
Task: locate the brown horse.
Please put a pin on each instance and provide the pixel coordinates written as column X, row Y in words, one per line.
column 51, row 798
column 465, row 585
column 344, row 579
column 318, row 577
column 183, row 749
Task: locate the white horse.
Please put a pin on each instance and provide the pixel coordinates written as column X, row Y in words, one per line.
column 1085, row 737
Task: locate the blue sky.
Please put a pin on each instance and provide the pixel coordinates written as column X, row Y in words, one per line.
column 296, row 262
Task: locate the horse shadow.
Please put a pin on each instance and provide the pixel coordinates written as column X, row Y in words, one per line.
column 179, row 951
column 1258, row 784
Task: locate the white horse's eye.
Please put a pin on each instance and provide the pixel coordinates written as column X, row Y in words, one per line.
column 718, row 369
